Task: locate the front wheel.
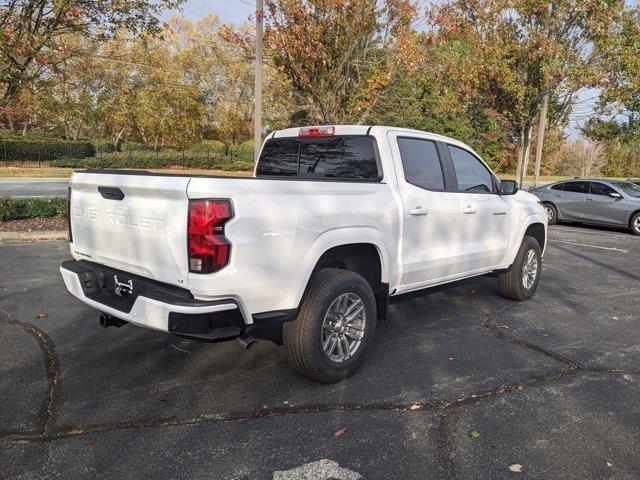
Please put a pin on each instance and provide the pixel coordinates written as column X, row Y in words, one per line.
column 521, row 280
column 328, row 340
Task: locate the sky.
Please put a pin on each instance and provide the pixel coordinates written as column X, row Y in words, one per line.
column 236, row 11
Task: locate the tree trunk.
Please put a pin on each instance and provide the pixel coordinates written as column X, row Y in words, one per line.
column 541, row 131
column 118, row 140
column 523, row 154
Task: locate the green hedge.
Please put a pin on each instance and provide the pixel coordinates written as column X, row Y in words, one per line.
column 145, row 160
column 209, row 146
column 19, row 208
column 104, row 146
column 43, row 150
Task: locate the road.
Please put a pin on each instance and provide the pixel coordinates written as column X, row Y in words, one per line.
column 460, row 384
column 33, row 187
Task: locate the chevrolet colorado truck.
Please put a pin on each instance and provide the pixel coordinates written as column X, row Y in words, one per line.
column 308, row 251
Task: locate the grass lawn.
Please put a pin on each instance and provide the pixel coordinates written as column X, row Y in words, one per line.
column 57, row 172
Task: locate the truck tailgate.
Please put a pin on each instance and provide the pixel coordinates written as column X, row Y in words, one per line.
column 135, row 223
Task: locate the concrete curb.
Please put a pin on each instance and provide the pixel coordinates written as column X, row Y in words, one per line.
column 24, row 237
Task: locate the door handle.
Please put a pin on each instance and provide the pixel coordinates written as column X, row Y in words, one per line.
column 469, row 210
column 590, row 199
column 419, row 210
column 557, row 195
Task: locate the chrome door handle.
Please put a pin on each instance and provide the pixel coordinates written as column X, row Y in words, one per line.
column 419, row 210
column 590, row 199
column 469, row 210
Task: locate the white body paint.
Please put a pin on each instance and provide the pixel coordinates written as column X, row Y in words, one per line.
column 281, row 228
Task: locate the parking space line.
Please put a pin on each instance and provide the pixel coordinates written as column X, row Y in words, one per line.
column 613, row 249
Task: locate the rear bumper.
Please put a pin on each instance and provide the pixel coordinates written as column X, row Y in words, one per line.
column 156, row 306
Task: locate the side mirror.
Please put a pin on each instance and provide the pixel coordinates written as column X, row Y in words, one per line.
column 615, row 195
column 508, row 187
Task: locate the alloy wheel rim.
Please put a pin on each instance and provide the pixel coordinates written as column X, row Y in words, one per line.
column 549, row 212
column 530, row 270
column 343, row 327
column 636, row 224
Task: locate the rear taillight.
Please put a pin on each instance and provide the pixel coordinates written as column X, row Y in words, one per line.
column 322, row 131
column 209, row 249
column 69, row 214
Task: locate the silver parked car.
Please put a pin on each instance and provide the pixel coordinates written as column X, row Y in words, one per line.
column 613, row 203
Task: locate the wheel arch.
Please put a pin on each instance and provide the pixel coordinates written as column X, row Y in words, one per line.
column 537, row 231
column 363, row 252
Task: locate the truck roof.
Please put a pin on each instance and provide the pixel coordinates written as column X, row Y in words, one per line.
column 370, row 129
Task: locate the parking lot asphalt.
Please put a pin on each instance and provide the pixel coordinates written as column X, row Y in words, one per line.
column 460, row 383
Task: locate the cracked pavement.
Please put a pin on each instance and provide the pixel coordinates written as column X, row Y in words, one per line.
column 552, row 384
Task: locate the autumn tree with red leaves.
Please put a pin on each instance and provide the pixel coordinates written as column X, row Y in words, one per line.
column 30, row 32
column 338, row 54
column 519, row 51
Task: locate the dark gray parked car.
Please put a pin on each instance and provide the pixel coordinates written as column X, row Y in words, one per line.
column 596, row 201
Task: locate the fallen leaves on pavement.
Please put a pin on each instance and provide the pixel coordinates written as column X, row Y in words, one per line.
column 515, row 467
column 41, row 315
column 340, row 432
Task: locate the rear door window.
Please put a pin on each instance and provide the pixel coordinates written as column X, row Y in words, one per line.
column 421, row 163
column 576, row 187
column 340, row 157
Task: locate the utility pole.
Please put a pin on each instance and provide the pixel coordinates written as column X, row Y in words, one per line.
column 257, row 125
column 542, row 126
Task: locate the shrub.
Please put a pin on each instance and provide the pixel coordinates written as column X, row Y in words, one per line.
column 245, row 149
column 209, row 146
column 43, row 150
column 103, row 146
column 164, row 159
column 20, row 208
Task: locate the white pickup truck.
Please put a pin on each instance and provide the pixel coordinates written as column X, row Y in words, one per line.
column 307, row 252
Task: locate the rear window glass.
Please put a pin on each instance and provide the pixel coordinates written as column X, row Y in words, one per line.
column 279, row 157
column 342, row 157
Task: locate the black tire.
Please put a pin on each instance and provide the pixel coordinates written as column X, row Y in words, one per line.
column 552, row 213
column 634, row 224
column 512, row 283
column 303, row 336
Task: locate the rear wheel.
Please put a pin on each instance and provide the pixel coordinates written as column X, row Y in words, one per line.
column 552, row 213
column 521, row 280
column 635, row 223
column 328, row 340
